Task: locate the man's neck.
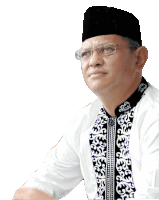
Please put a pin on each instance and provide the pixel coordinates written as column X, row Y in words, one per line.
column 112, row 98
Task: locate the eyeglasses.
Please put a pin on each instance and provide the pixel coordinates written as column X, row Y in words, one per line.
column 103, row 49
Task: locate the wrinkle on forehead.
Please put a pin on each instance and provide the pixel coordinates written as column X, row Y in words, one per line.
column 96, row 41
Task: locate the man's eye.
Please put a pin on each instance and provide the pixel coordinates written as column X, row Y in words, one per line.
column 86, row 53
column 107, row 49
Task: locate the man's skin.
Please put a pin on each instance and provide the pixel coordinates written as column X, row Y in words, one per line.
column 30, row 193
column 122, row 73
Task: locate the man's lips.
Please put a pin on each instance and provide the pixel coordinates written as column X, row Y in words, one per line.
column 97, row 72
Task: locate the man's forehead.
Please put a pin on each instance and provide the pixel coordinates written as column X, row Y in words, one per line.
column 95, row 41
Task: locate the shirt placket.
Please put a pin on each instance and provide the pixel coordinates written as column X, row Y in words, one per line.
column 110, row 172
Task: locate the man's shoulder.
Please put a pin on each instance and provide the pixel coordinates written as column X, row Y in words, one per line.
column 147, row 109
column 152, row 97
column 89, row 108
column 146, row 115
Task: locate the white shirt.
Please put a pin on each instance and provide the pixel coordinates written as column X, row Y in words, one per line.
column 70, row 161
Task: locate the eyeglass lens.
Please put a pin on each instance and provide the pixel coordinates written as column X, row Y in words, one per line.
column 106, row 49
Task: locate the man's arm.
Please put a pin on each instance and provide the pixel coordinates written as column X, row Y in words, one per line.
column 31, row 193
column 59, row 173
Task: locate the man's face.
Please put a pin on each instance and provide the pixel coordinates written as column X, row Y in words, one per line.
column 118, row 69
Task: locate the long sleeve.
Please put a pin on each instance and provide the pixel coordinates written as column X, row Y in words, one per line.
column 60, row 171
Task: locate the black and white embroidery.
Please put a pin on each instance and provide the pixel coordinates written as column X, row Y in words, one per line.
column 124, row 107
column 109, row 142
column 98, row 148
column 124, row 181
column 142, row 87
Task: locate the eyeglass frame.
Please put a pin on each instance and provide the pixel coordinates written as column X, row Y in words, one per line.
column 115, row 45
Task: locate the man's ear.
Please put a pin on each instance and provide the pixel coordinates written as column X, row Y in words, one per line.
column 141, row 56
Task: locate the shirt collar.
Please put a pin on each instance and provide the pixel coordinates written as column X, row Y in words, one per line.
column 133, row 99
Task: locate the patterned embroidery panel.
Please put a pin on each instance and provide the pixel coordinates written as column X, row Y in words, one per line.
column 124, row 181
column 124, row 186
column 98, row 145
column 109, row 143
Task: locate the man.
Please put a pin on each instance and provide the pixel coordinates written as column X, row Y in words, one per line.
column 113, row 143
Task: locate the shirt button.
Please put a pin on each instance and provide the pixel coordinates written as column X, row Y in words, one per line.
column 111, row 122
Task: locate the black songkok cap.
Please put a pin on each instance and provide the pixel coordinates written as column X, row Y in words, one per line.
column 103, row 20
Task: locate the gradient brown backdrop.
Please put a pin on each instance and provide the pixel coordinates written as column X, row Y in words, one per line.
column 42, row 84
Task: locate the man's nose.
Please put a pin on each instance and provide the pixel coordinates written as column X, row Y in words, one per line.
column 95, row 59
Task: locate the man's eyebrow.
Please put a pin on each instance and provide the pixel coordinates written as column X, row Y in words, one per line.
column 97, row 45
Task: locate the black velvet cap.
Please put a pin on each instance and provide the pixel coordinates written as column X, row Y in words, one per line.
column 103, row 20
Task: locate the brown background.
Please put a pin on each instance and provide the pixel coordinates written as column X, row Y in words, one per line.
column 41, row 88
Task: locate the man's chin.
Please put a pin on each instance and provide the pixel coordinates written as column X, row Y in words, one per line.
column 97, row 90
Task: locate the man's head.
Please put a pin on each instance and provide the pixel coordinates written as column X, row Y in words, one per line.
column 103, row 25
column 120, row 68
